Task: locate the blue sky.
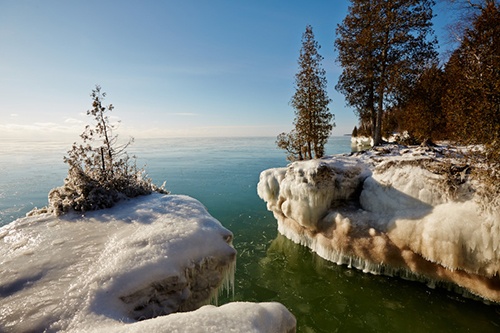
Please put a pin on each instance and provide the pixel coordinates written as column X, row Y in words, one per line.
column 170, row 68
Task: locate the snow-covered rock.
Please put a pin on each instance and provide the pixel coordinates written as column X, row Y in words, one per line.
column 232, row 317
column 145, row 257
column 390, row 211
column 362, row 141
column 306, row 190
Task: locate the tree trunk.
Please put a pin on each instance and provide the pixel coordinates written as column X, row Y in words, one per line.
column 377, row 135
column 107, row 142
column 373, row 114
column 103, row 165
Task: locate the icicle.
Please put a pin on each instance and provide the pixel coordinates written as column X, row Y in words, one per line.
column 226, row 284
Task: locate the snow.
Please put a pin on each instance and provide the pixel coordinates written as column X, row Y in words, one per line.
column 405, row 187
column 390, row 211
column 231, row 317
column 310, row 187
column 362, row 141
column 145, row 257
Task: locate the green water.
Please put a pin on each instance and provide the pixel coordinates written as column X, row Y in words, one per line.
column 223, row 174
column 325, row 297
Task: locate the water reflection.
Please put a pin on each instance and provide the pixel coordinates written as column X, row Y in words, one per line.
column 330, row 298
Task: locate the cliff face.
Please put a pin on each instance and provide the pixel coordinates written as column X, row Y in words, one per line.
column 409, row 212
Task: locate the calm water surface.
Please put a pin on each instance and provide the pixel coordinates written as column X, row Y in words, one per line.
column 223, row 173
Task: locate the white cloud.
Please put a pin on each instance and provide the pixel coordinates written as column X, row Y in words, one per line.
column 39, row 130
column 45, row 125
column 73, row 121
column 14, row 115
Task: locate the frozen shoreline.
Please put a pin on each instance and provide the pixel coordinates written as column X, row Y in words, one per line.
column 146, row 257
column 390, row 212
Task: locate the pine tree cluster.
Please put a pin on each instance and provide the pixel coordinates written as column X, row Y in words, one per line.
column 392, row 77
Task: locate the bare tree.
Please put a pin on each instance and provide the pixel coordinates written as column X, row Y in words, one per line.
column 100, row 170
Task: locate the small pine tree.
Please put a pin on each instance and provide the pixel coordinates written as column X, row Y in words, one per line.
column 355, row 132
column 100, row 170
column 313, row 120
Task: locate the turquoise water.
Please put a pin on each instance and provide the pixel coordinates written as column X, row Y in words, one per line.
column 223, row 174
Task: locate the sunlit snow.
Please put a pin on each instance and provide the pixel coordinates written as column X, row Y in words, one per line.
column 389, row 212
column 105, row 270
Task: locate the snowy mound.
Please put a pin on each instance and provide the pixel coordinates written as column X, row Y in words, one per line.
column 146, row 257
column 391, row 212
column 232, row 317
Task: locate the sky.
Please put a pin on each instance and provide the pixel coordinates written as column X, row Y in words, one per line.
column 171, row 68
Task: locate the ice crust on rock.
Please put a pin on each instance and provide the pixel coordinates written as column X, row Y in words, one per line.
column 305, row 191
column 145, row 257
column 389, row 212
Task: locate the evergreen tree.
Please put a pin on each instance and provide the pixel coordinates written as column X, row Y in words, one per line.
column 383, row 47
column 422, row 114
column 472, row 99
column 313, row 119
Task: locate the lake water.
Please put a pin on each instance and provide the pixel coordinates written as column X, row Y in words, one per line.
column 223, row 173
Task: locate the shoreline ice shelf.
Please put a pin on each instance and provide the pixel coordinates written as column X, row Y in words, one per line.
column 391, row 211
column 139, row 266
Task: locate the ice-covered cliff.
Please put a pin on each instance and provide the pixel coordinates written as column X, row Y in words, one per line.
column 112, row 269
column 395, row 212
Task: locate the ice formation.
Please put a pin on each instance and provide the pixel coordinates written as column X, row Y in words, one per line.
column 392, row 213
column 145, row 257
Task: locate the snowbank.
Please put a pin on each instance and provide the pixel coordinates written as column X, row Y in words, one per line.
column 146, row 257
column 392, row 212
